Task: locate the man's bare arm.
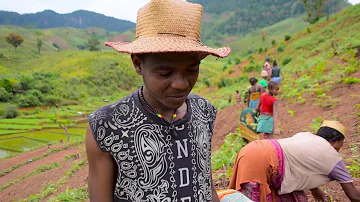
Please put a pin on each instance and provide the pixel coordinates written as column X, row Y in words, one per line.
column 215, row 197
column 102, row 171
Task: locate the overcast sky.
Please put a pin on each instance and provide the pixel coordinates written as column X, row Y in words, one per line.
column 121, row 9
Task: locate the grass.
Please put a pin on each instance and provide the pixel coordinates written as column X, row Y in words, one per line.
column 18, row 126
column 67, row 145
column 24, row 121
column 226, row 154
column 51, row 188
column 39, row 170
column 4, row 132
column 352, row 80
column 69, row 195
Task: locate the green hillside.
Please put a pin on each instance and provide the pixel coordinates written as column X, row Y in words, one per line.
column 313, row 60
column 240, row 17
column 65, row 37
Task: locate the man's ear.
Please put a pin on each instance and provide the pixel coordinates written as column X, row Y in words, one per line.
column 137, row 62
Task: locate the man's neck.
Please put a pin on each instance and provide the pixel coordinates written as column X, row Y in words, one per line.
column 166, row 112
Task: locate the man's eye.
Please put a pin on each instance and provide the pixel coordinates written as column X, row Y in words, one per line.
column 194, row 69
column 164, row 74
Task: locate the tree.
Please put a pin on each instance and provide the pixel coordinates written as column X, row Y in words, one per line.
column 15, row 40
column 93, row 44
column 263, row 36
column 314, row 10
column 63, row 124
column 39, row 44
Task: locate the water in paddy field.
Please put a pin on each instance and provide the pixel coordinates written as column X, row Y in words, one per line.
column 23, row 142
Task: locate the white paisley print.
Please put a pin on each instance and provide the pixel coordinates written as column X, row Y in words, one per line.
column 153, row 165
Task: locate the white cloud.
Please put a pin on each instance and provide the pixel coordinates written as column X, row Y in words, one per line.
column 121, row 9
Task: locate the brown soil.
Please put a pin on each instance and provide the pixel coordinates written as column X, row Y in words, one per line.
column 78, row 180
column 226, row 122
column 35, row 183
column 8, row 163
column 56, row 157
column 345, row 111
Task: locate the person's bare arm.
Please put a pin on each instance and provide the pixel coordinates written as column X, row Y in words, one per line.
column 257, row 108
column 276, row 118
column 102, row 171
column 351, row 192
column 318, row 194
column 248, row 98
column 215, row 197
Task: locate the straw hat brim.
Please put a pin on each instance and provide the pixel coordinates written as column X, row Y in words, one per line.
column 162, row 44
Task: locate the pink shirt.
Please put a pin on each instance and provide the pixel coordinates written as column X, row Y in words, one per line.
column 267, row 68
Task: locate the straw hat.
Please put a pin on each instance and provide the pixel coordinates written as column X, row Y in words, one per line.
column 264, row 73
column 168, row 26
column 335, row 125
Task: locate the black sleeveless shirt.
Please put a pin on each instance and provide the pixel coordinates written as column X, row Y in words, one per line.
column 153, row 165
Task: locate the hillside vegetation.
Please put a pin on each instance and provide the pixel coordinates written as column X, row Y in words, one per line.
column 79, row 19
column 313, row 61
column 240, row 17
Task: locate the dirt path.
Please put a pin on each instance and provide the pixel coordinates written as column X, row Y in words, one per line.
column 56, row 157
column 227, row 121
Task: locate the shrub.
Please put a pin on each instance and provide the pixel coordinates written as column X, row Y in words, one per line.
column 308, row 30
column 27, row 100
column 224, row 82
column 242, row 79
column 231, row 71
column 51, row 100
column 237, row 61
column 10, row 111
column 281, row 48
column 206, row 82
column 225, row 68
column 352, row 80
column 287, row 37
column 273, row 42
column 266, row 49
column 4, row 95
column 229, row 62
column 260, row 50
column 286, row 61
column 350, row 70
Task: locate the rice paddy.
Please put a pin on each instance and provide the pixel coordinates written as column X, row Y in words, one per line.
column 32, row 131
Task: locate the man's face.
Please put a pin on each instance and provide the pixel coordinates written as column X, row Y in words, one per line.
column 168, row 77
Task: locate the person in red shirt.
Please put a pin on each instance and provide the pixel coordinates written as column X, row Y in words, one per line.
column 268, row 120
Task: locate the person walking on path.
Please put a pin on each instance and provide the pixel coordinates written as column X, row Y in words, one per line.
column 276, row 74
column 155, row 144
column 268, row 121
column 254, row 93
column 267, row 68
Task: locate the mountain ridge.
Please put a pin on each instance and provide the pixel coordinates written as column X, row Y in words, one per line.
column 80, row 19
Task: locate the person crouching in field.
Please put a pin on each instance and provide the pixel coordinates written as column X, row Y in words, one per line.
column 280, row 170
column 155, row 143
column 268, row 121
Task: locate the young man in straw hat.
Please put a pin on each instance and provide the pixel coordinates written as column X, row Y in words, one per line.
column 155, row 144
column 282, row 169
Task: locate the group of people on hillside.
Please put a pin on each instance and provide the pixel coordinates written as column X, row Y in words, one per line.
column 261, row 100
column 155, row 143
